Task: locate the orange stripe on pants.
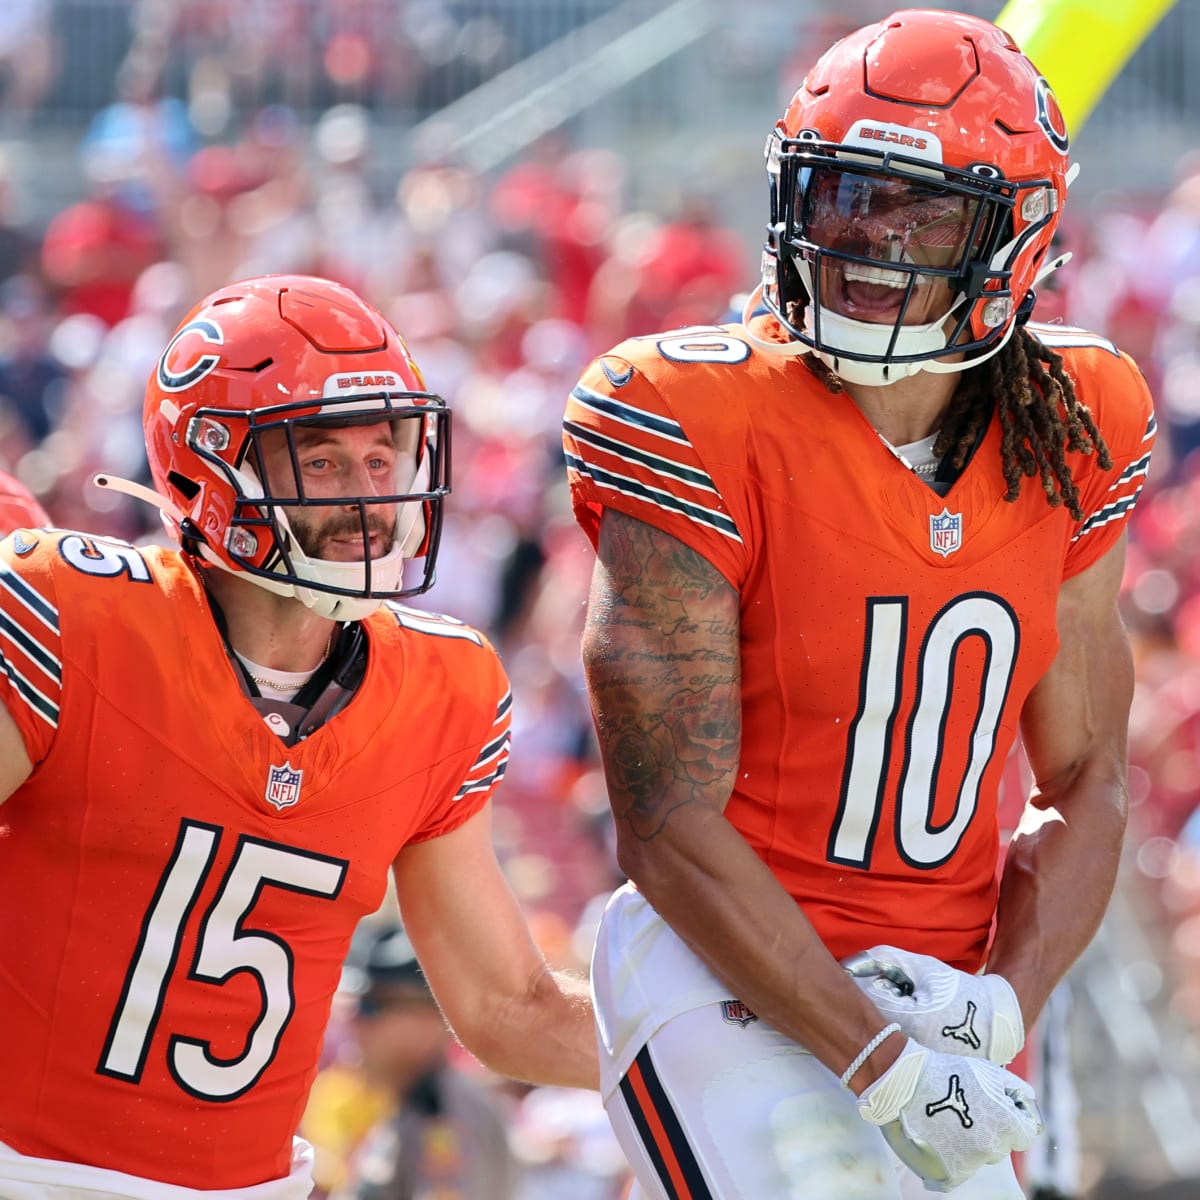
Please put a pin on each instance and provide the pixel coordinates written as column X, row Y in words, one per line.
column 661, row 1141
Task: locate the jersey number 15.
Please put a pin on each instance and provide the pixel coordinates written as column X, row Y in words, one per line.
column 224, row 948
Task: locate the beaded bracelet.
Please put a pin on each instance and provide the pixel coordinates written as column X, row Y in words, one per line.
column 866, row 1052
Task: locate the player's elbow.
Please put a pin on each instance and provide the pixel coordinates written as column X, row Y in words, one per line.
column 508, row 1034
column 640, row 861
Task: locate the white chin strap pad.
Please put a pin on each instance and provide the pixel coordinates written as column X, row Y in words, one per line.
column 842, row 337
column 386, row 575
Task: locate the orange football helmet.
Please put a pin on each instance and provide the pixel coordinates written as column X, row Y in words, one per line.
column 278, row 353
column 923, row 156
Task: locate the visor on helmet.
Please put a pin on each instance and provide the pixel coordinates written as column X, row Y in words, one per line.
column 881, row 219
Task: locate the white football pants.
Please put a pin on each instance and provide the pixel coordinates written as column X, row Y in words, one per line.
column 720, row 1107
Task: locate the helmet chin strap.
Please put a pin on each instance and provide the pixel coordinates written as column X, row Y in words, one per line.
column 350, row 575
column 789, row 349
column 860, row 337
column 170, row 514
column 863, row 337
column 844, row 340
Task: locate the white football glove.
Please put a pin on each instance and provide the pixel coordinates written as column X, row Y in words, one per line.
column 942, row 1008
column 945, row 1116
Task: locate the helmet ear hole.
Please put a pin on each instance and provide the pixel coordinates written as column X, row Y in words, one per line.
column 186, row 487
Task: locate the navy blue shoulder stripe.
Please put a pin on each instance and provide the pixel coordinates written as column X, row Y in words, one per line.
column 626, row 412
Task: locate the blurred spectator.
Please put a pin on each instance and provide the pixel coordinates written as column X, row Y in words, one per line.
column 19, row 246
column 142, row 140
column 93, row 251
column 32, row 381
column 567, row 1147
column 240, row 54
column 210, row 233
column 347, row 205
column 18, row 508
column 667, row 275
column 441, row 1132
column 1177, row 358
column 560, row 207
column 26, row 60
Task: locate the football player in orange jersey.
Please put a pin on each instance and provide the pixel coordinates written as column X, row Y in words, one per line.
column 18, row 507
column 845, row 550
column 211, row 758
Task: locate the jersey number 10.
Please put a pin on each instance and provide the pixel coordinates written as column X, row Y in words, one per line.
column 870, row 744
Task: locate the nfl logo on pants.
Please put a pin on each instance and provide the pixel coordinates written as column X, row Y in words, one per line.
column 945, row 532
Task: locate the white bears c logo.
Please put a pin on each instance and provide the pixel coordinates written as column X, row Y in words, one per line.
column 195, row 369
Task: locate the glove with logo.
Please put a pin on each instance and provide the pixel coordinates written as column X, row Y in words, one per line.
column 945, row 1116
column 947, row 1010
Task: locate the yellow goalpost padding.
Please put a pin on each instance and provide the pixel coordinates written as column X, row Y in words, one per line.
column 1080, row 45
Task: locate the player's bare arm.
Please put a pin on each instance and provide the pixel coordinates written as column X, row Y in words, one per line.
column 662, row 659
column 501, row 999
column 1074, row 726
column 15, row 766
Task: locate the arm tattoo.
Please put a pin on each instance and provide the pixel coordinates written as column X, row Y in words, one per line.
column 663, row 670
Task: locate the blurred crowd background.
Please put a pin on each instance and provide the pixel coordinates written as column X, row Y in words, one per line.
column 518, row 184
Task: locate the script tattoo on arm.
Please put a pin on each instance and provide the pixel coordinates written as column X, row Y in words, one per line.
column 661, row 654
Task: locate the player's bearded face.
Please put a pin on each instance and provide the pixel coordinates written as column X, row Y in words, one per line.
column 338, row 538
column 357, row 462
column 887, row 221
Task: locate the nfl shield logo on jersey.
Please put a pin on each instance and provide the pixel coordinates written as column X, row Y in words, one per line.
column 945, row 532
column 283, row 785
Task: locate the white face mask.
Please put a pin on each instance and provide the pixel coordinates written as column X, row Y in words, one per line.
column 386, row 571
column 408, row 536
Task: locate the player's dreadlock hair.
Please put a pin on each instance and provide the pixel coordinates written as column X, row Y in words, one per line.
column 1040, row 416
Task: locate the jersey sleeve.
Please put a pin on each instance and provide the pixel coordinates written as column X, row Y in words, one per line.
column 626, row 449
column 474, row 775
column 1115, row 390
column 30, row 641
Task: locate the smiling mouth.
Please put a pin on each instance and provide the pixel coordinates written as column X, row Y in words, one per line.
column 871, row 293
column 879, row 294
column 350, row 549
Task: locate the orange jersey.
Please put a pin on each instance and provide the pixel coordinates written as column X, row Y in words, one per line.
column 889, row 635
column 18, row 508
column 178, row 887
